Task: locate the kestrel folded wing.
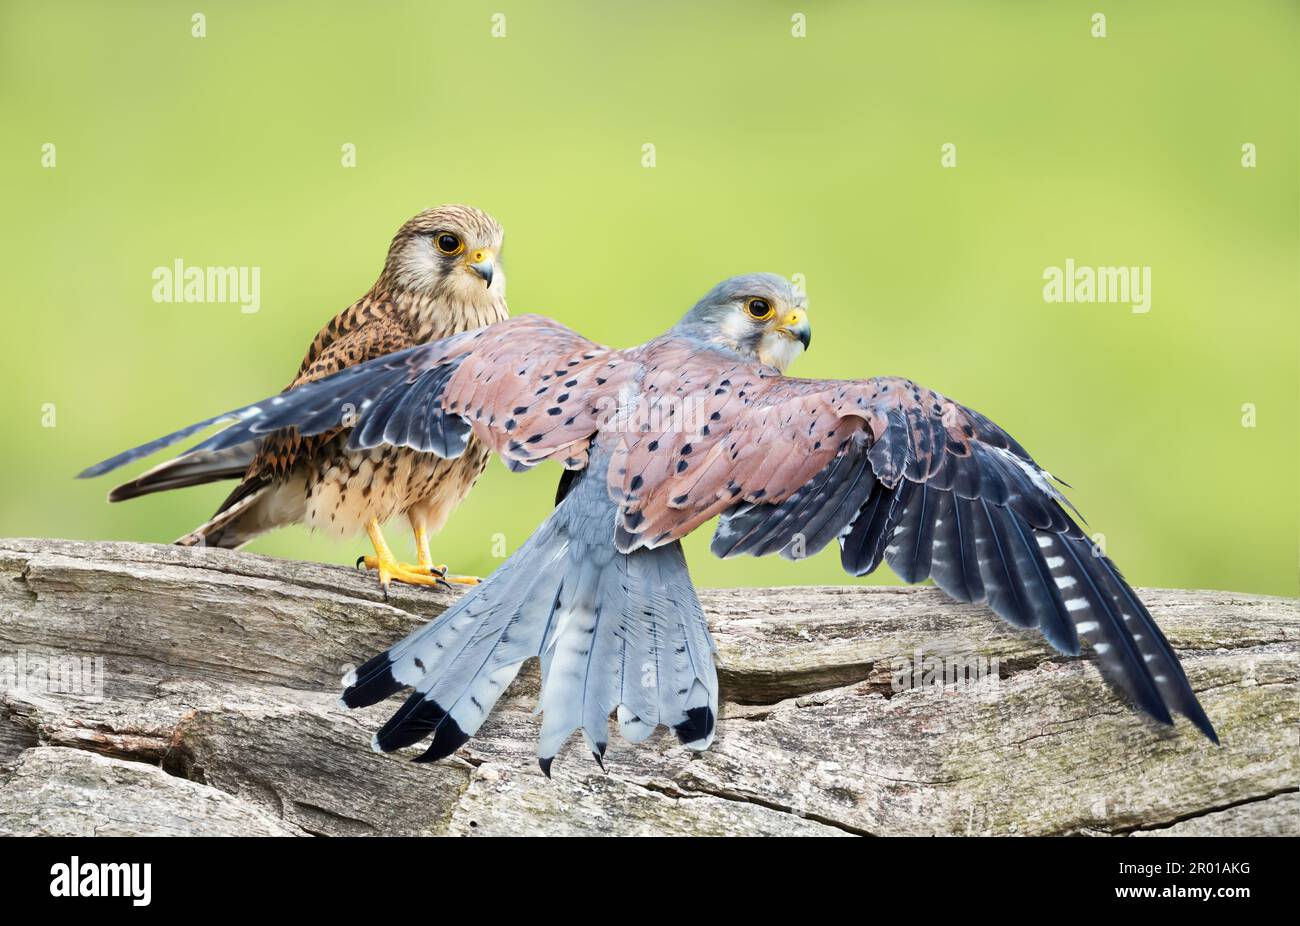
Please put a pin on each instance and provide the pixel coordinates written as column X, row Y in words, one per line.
column 898, row 472
column 522, row 385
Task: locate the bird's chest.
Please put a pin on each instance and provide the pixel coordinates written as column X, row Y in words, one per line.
column 348, row 488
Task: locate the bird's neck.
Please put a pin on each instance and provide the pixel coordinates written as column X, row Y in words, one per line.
column 433, row 315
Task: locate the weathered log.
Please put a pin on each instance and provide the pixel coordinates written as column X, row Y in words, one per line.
column 220, row 678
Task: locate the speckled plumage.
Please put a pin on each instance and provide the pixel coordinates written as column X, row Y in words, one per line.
column 422, row 295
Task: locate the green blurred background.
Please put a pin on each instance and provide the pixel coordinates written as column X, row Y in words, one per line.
column 818, row 156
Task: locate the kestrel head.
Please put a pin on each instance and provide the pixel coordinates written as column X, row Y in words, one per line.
column 448, row 251
column 759, row 316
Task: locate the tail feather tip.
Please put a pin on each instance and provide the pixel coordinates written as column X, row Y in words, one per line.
column 696, row 731
column 419, row 717
column 371, row 683
column 1202, row 723
column 447, row 739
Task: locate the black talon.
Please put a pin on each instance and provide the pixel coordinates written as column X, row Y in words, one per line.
column 444, row 583
column 360, row 559
column 546, row 766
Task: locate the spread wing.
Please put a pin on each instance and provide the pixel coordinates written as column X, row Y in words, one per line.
column 901, row 473
column 891, row 470
column 527, row 386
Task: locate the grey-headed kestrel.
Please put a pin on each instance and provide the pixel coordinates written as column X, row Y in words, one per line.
column 442, row 276
column 655, row 441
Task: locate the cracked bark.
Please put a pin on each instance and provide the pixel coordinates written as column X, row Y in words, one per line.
column 219, row 715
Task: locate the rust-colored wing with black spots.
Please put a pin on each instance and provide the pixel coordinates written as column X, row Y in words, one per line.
column 758, row 438
column 897, row 472
column 533, row 390
column 892, row 471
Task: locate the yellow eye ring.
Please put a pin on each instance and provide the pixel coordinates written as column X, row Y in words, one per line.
column 759, row 309
column 448, row 244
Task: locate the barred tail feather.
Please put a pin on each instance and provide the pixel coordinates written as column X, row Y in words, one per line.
column 614, row 631
column 461, row 662
column 651, row 657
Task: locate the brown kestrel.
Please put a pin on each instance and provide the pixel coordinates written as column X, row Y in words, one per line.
column 442, row 276
column 656, row 440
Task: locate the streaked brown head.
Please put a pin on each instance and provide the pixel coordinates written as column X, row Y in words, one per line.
column 451, row 251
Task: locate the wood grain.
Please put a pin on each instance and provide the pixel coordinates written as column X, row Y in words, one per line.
column 219, row 715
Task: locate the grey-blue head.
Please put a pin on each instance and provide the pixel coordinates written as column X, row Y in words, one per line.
column 757, row 315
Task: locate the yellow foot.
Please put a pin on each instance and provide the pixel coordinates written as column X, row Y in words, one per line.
column 372, row 562
column 390, row 570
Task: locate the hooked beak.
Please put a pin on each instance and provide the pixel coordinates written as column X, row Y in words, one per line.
column 795, row 326
column 482, row 263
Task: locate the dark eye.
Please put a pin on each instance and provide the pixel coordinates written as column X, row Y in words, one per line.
column 758, row 309
column 449, row 243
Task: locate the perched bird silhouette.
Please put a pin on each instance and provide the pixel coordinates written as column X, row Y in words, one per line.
column 655, row 441
column 442, row 276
